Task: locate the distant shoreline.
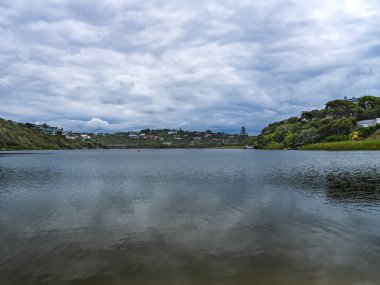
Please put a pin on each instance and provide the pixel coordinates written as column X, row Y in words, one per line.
column 331, row 146
column 131, row 148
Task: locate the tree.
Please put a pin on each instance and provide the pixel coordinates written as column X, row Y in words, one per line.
column 145, row 131
column 342, row 109
column 306, row 136
column 243, row 132
column 280, row 133
column 291, row 120
column 343, row 126
column 289, row 139
column 369, row 102
column 306, row 115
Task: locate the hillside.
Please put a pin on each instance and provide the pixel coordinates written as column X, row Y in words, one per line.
column 17, row 136
column 334, row 127
column 164, row 138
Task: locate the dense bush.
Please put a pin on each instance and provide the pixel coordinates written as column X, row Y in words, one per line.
column 336, row 123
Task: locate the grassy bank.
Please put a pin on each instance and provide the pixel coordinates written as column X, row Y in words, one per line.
column 227, row 147
column 344, row 145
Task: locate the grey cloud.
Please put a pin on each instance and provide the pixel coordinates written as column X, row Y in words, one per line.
column 196, row 64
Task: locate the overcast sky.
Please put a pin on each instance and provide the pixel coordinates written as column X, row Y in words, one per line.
column 110, row 65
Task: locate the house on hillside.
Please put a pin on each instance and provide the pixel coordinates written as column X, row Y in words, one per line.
column 196, row 139
column 368, row 123
column 46, row 129
column 133, row 136
column 353, row 99
column 71, row 136
column 85, row 137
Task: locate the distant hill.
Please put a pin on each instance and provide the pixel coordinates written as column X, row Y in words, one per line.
column 337, row 122
column 18, row 136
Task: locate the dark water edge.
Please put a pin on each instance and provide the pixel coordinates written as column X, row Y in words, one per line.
column 189, row 217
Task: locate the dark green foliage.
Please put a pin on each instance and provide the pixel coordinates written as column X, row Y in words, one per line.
column 336, row 138
column 368, row 131
column 343, row 126
column 145, row 131
column 333, row 124
column 306, row 136
column 369, row 102
column 280, row 133
column 342, row 109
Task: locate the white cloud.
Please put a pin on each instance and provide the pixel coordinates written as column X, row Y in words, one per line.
column 95, row 124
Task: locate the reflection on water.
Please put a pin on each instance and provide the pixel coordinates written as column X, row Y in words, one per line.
column 354, row 186
column 190, row 217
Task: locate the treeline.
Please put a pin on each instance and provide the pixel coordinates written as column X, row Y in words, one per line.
column 17, row 136
column 337, row 122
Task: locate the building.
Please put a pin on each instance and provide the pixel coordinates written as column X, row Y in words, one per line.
column 353, row 99
column 71, row 136
column 46, row 129
column 368, row 123
column 133, row 136
column 85, row 137
column 196, row 139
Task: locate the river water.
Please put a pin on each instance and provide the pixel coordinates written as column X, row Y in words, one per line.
column 189, row 217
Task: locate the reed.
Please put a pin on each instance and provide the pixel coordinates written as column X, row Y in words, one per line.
column 344, row 145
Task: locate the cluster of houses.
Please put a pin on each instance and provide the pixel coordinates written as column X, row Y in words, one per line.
column 46, row 129
column 169, row 137
column 54, row 131
column 75, row 136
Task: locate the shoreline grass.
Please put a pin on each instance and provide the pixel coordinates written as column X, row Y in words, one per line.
column 344, row 145
column 226, row 147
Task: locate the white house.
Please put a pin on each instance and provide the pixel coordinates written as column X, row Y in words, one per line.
column 133, row 136
column 71, row 136
column 368, row 123
column 85, row 137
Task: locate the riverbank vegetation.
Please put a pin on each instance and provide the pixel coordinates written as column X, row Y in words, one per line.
column 344, row 145
column 334, row 127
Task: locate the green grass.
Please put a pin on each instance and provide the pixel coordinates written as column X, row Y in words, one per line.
column 274, row 146
column 344, row 145
column 227, row 147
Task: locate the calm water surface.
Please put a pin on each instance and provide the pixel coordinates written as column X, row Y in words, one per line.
column 189, row 217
